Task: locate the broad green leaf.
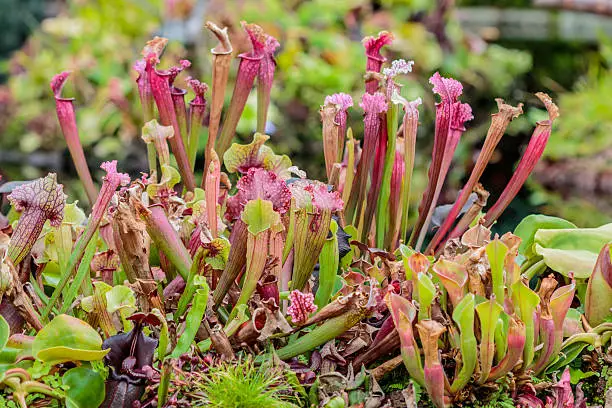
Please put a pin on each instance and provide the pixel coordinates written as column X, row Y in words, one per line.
column 67, row 338
column 84, row 388
column 528, row 227
column 572, row 250
column 259, row 215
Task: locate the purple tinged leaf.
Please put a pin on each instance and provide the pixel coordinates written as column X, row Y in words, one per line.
column 372, row 46
column 178, row 100
column 554, row 310
column 67, row 120
column 499, row 123
column 129, row 359
column 235, row 261
column 410, row 124
column 247, row 71
column 315, row 205
column 155, row 46
column 164, row 236
column 395, row 197
column 259, row 183
column 434, row 376
column 158, row 135
column 331, row 136
column 267, row 288
column 162, row 93
column 343, row 102
column 38, row 201
column 110, row 183
column 403, row 314
column 265, row 78
column 530, row 158
column 516, row 345
column 450, row 118
column 240, row 158
column 261, row 221
column 373, row 105
column 453, row 277
column 197, row 114
column 301, row 306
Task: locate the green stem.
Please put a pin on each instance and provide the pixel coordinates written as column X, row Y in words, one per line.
column 82, row 271
column 535, row 269
column 164, row 383
column 382, row 211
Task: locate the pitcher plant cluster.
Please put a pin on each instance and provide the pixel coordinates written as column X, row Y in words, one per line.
column 333, row 278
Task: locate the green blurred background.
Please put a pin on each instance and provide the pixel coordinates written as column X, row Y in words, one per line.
column 509, row 49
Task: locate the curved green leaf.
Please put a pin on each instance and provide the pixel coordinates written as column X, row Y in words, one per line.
column 528, row 227
column 572, row 250
column 67, row 338
column 85, row 388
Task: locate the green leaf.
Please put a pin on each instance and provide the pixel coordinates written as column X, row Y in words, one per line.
column 496, row 254
column 67, row 338
column 328, row 267
column 192, row 321
column 84, row 388
column 259, row 215
column 572, row 250
column 528, row 227
column 566, row 356
column 170, row 177
column 463, row 315
column 5, row 332
column 346, row 261
column 525, row 302
column 222, row 246
column 426, row 295
column 256, row 154
column 488, row 314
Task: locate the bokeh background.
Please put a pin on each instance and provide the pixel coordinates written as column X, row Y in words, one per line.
column 496, row 48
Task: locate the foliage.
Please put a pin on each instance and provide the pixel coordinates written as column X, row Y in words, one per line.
column 314, row 285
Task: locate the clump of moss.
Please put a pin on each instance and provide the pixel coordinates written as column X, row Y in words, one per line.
column 245, row 385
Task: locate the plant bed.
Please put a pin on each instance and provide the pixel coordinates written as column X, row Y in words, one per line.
column 262, row 287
